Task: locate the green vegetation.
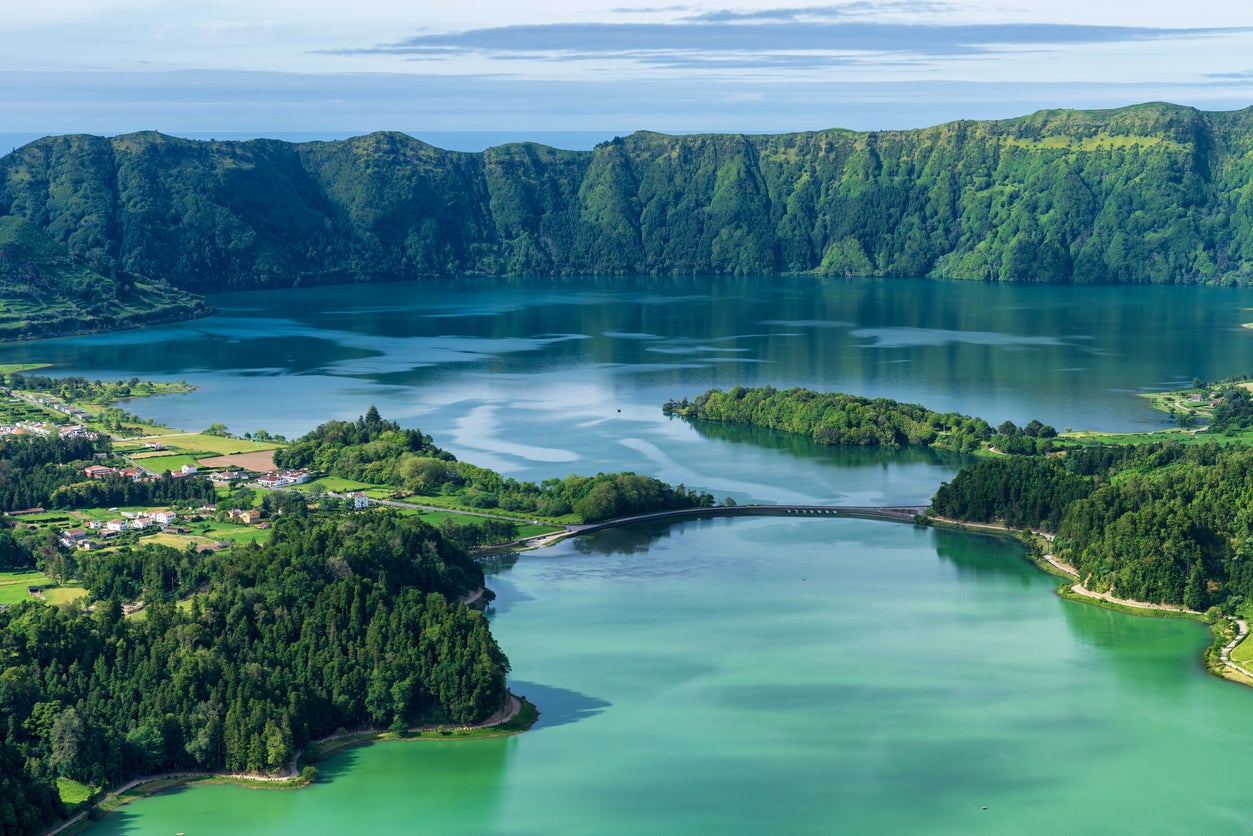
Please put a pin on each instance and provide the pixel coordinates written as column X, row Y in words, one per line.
column 380, row 452
column 73, row 792
column 46, row 290
column 215, row 445
column 1162, row 523
column 80, row 390
column 838, row 419
column 14, row 586
column 340, row 621
column 1154, row 193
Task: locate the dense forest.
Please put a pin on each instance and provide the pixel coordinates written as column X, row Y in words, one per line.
column 372, row 449
column 838, row 419
column 48, row 290
column 341, row 621
column 1158, row 522
column 1152, row 193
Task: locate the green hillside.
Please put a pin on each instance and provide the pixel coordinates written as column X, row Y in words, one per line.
column 44, row 291
column 1152, row 193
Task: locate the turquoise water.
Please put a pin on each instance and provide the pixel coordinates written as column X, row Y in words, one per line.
column 745, row 675
column 796, row 676
column 542, row 379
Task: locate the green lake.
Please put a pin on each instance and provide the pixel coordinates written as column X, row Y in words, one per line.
column 745, row 675
column 796, row 676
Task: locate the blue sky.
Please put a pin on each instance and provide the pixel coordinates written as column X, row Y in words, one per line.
column 303, row 66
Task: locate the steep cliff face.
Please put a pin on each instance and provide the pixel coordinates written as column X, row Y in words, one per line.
column 1152, row 193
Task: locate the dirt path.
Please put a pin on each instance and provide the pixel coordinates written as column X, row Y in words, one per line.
column 1080, row 589
column 1225, row 653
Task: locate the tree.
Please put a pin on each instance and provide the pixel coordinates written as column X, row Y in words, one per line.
column 68, row 733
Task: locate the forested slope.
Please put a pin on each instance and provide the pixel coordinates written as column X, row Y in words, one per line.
column 45, row 291
column 1156, row 522
column 341, row 621
column 1152, row 193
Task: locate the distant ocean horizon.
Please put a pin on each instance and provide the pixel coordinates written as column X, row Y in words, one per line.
column 448, row 140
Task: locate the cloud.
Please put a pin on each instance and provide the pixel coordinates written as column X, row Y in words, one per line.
column 729, row 39
column 856, row 9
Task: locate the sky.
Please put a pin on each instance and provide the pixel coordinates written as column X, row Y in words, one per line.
column 602, row 67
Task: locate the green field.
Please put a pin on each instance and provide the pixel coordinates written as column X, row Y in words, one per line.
column 337, row 485
column 72, row 792
column 1089, row 439
column 159, row 462
column 1243, row 653
column 213, row 444
column 230, row 533
column 13, row 585
column 453, row 503
column 435, row 518
column 64, row 594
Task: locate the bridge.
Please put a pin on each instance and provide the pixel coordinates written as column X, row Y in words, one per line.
column 892, row 513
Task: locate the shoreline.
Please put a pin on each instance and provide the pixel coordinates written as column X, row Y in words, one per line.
column 295, row 777
column 1216, row 659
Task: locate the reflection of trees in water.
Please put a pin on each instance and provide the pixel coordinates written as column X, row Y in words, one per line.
column 1156, row 654
column 497, row 563
column 627, row 539
column 837, row 456
column 558, row 706
column 976, row 555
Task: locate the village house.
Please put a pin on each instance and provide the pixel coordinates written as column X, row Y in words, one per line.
column 189, row 469
column 115, row 525
column 248, row 517
column 97, row 471
column 87, row 545
column 72, row 536
column 164, row 517
column 360, row 501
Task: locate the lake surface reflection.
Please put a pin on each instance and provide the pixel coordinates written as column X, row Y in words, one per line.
column 745, row 675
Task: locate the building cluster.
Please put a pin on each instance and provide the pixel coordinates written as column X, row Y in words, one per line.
column 48, row 429
column 79, row 538
column 283, row 478
column 57, row 406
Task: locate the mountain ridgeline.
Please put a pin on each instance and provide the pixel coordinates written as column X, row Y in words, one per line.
column 1152, row 193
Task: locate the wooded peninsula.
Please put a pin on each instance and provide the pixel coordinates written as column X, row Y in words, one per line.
column 1155, row 517
column 135, row 647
